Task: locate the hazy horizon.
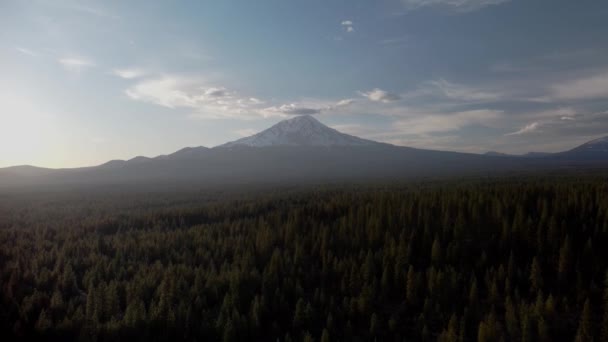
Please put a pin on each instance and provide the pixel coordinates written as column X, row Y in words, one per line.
column 88, row 82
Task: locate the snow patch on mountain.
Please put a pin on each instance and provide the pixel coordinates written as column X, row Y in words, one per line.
column 302, row 130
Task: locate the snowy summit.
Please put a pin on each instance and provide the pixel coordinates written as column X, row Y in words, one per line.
column 302, row 130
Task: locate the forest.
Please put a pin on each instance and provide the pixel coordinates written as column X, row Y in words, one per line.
column 511, row 259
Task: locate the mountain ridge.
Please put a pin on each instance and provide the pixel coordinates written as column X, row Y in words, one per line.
column 299, row 150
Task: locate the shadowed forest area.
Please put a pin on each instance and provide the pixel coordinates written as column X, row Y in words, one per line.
column 510, row 259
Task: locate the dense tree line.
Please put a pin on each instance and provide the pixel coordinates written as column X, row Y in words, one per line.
column 510, row 260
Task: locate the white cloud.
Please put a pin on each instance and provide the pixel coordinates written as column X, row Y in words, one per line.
column 309, row 107
column 582, row 88
column 529, row 128
column 26, row 51
column 75, row 64
column 129, row 73
column 210, row 101
column 292, row 109
column 379, row 95
column 216, row 92
column 347, row 25
column 345, row 102
column 245, row 132
column 446, row 122
column 206, row 101
column 456, row 5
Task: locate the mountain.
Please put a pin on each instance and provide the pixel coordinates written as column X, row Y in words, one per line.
column 497, row 154
column 302, row 130
column 300, row 150
column 526, row 155
column 593, row 150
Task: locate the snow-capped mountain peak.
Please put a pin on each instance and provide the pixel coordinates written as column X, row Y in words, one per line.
column 302, row 130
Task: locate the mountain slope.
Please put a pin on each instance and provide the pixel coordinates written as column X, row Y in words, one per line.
column 299, row 150
column 300, row 131
column 593, row 150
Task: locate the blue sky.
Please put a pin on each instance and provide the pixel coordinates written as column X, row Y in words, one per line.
column 84, row 82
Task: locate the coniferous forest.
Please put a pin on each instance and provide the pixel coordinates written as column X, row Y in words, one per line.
column 488, row 260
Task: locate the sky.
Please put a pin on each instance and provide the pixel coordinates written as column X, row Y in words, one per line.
column 84, row 82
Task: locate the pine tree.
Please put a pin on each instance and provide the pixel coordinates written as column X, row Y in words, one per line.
column 373, row 324
column 542, row 330
column 482, row 333
column 43, row 324
column 411, row 286
column 584, row 332
column 536, row 277
column 511, row 320
column 229, row 334
column 299, row 315
column 565, row 255
column 436, row 251
column 605, row 319
column 325, row 336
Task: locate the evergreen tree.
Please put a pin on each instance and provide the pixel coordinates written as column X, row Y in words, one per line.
column 584, row 332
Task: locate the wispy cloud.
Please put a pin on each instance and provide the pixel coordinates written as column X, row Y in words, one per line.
column 310, row 108
column 85, row 7
column 455, row 91
column 455, row 5
column 27, row 51
column 211, row 101
column 75, row 64
column 245, row 132
column 582, row 88
column 348, row 25
column 446, row 122
column 292, row 109
column 207, row 101
column 379, row 95
column 129, row 73
column 529, row 128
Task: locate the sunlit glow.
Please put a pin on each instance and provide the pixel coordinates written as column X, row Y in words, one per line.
column 25, row 131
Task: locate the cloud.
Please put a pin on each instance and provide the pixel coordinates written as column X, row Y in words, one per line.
column 27, row 51
column 129, row 73
column 309, row 107
column 292, row 109
column 216, row 92
column 75, row 64
column 211, row 101
column 206, row 101
column 445, row 122
column 462, row 6
column 457, row 91
column 529, row 128
column 379, row 95
column 345, row 102
column 347, row 25
column 86, row 8
column 245, row 132
column 581, row 89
